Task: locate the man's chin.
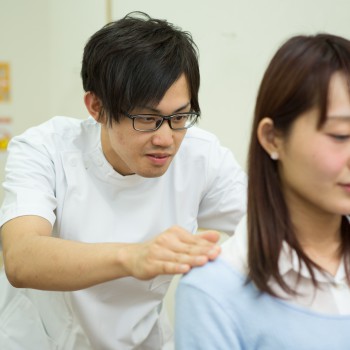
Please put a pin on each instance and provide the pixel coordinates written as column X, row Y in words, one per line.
column 154, row 172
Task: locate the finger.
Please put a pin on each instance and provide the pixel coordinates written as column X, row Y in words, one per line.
column 211, row 236
column 191, row 260
column 205, row 239
column 194, row 249
column 178, row 240
column 214, row 253
column 171, row 268
column 181, row 240
column 193, row 252
column 163, row 268
column 177, row 264
column 198, row 260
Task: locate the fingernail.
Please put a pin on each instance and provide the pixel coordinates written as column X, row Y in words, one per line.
column 213, row 250
column 183, row 268
column 201, row 259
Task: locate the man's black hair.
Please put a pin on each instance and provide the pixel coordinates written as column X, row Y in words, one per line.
column 134, row 61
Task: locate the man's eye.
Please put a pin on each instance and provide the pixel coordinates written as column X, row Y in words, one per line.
column 147, row 119
column 181, row 117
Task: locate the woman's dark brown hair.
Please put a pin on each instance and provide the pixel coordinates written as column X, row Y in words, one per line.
column 296, row 80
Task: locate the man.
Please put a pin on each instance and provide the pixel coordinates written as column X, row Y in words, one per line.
column 100, row 214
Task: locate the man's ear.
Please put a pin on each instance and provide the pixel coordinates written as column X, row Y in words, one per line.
column 268, row 138
column 94, row 106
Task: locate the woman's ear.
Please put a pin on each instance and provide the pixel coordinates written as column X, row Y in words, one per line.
column 268, row 138
column 94, row 106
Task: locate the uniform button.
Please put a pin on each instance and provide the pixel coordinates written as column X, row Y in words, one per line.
column 87, row 164
column 99, row 162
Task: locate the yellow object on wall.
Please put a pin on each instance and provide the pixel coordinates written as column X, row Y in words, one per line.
column 5, row 132
column 4, row 82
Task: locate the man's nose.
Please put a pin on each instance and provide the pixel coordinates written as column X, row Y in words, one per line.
column 164, row 135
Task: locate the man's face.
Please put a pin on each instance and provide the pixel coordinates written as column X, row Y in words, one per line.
column 147, row 154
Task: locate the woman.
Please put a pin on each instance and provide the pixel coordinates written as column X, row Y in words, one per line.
column 283, row 280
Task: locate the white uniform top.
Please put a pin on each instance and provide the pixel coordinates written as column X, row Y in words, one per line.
column 58, row 171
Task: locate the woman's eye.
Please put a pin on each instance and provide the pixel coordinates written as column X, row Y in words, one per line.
column 339, row 137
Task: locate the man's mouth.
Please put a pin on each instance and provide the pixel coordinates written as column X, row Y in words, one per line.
column 158, row 158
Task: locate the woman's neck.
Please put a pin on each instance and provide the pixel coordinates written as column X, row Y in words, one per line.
column 318, row 234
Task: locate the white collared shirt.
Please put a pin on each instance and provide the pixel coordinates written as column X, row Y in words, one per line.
column 58, row 171
column 333, row 296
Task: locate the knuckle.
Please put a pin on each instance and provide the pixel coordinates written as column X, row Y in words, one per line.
column 158, row 242
column 177, row 230
column 179, row 258
column 167, row 267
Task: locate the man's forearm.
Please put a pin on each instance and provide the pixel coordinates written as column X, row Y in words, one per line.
column 50, row 263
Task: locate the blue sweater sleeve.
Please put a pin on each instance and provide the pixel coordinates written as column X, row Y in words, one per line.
column 201, row 323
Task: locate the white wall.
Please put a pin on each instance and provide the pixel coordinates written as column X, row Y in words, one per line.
column 24, row 40
column 236, row 40
column 24, row 43
column 43, row 42
column 72, row 23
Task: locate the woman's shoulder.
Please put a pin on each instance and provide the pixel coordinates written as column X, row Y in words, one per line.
column 214, row 278
column 230, row 266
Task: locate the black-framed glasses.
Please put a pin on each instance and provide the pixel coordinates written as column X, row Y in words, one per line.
column 152, row 122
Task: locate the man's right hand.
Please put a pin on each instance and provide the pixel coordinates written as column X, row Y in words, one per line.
column 174, row 251
column 35, row 259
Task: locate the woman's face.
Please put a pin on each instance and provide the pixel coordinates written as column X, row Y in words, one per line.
column 314, row 164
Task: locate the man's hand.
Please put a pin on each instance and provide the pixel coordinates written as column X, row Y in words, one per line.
column 174, row 251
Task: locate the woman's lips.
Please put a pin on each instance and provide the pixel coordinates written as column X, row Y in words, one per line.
column 346, row 187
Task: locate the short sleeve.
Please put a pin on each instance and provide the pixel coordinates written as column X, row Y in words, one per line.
column 29, row 186
column 225, row 199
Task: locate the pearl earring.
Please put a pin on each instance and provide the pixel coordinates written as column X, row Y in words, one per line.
column 274, row 155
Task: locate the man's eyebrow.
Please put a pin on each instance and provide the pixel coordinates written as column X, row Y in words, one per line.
column 157, row 111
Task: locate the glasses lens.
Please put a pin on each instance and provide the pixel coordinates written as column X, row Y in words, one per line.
column 183, row 120
column 152, row 122
column 145, row 123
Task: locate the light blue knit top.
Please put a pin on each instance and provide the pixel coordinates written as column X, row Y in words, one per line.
column 216, row 310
